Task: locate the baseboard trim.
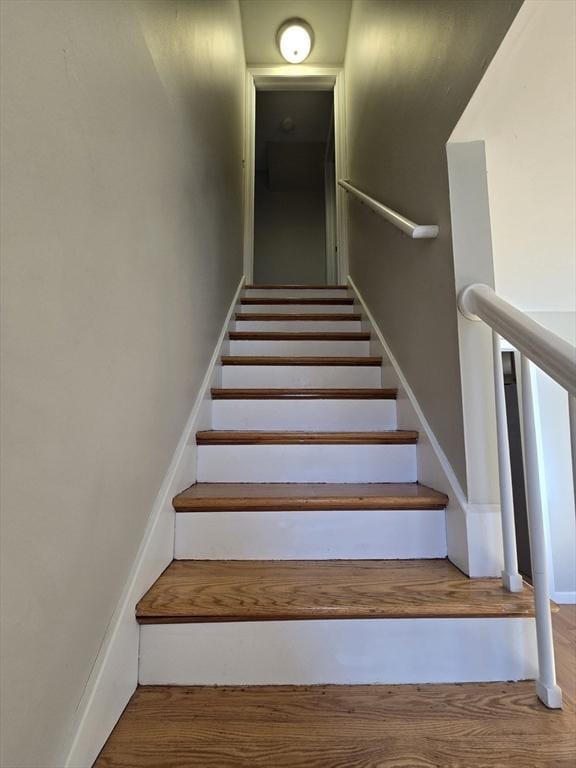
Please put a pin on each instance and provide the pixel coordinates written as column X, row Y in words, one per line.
column 114, row 676
column 473, row 530
column 564, row 598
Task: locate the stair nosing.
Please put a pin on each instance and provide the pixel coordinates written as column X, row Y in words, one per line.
column 298, row 336
column 302, row 393
column 298, row 300
column 289, row 360
column 419, row 582
column 280, row 317
column 274, row 437
column 296, row 287
column 335, row 497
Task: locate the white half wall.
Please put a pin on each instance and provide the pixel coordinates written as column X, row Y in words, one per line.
column 524, row 109
column 523, row 113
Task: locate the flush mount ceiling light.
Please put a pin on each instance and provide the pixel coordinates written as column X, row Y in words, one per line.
column 295, row 40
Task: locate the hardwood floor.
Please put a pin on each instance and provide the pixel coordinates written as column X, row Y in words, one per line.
column 490, row 725
column 263, row 590
column 298, row 336
column 287, row 361
column 317, row 316
column 303, row 393
column 278, row 497
column 251, row 437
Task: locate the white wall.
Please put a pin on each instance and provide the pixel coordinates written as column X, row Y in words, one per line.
column 525, row 111
column 121, row 251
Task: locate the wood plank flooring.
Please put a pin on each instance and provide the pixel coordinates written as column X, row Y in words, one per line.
column 489, row 725
column 361, row 362
column 303, row 393
column 297, row 336
column 284, row 497
column 298, row 287
column 260, row 590
column 301, row 300
column 332, row 317
column 253, row 437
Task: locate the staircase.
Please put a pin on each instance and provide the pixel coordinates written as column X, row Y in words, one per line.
column 307, row 552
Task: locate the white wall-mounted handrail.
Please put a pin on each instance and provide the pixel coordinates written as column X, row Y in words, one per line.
column 548, row 351
column 557, row 358
column 416, row 231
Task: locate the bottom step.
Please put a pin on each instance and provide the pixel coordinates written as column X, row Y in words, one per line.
column 263, row 623
column 345, row 726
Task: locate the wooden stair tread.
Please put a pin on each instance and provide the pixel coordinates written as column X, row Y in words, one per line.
column 260, row 437
column 298, row 300
column 236, row 590
column 297, row 336
column 256, row 316
column 285, row 497
column 297, row 287
column 289, row 360
column 304, row 393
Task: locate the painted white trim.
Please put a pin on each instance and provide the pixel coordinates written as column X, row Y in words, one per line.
column 249, row 176
column 338, row 652
column 114, row 676
column 473, row 530
column 341, row 170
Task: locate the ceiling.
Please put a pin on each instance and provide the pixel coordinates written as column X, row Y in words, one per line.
column 328, row 18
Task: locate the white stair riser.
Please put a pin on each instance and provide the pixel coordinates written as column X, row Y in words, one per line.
column 309, row 535
column 307, row 464
column 308, row 415
column 301, row 376
column 301, row 348
column 297, row 293
column 387, row 651
column 299, row 309
column 299, row 326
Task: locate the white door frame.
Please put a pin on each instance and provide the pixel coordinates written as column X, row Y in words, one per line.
column 290, row 78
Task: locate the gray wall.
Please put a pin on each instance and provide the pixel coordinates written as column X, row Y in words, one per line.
column 289, row 215
column 121, row 251
column 410, row 69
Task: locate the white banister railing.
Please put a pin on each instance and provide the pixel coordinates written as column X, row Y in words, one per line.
column 416, row 231
column 557, row 358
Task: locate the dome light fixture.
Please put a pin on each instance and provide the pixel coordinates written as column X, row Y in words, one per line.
column 295, row 40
